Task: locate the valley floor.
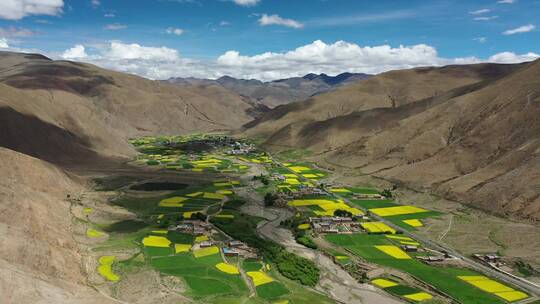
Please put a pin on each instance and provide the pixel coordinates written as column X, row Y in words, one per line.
column 190, row 219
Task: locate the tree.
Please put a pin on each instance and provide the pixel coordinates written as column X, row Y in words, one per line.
column 198, row 216
column 269, row 199
column 387, row 193
column 342, row 213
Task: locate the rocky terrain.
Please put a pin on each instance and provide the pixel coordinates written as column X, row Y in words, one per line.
column 468, row 133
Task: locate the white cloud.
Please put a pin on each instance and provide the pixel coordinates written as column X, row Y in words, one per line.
column 506, row 1
column 224, row 23
column 510, row 57
column 16, row 32
column 247, row 2
column 480, row 39
column 485, row 18
column 521, row 29
column 76, row 52
column 18, row 9
column 120, row 51
column 317, row 57
column 95, row 3
column 175, row 31
column 480, row 11
column 3, row 43
column 109, row 15
column 277, row 20
column 115, row 27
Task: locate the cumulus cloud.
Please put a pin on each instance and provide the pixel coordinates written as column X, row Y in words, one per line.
column 18, row 9
column 506, row 1
column 510, row 57
column 521, row 29
column 121, row 51
column 3, row 43
column 76, row 52
column 15, row 32
column 480, row 11
column 247, row 2
column 277, row 20
column 95, row 3
column 109, row 15
column 317, row 57
column 115, row 27
column 175, row 31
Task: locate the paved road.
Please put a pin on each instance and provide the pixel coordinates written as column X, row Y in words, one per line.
column 530, row 287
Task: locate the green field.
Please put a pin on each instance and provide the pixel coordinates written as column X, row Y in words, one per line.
column 201, row 275
column 443, row 278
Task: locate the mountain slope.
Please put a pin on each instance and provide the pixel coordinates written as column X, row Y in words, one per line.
column 39, row 260
column 470, row 133
column 278, row 92
column 65, row 111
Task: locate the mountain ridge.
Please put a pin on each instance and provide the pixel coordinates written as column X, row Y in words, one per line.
column 280, row 91
column 427, row 138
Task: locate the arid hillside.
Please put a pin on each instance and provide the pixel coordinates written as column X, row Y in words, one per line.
column 469, row 133
column 66, row 112
column 39, row 260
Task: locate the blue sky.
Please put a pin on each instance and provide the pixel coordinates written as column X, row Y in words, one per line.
column 201, row 31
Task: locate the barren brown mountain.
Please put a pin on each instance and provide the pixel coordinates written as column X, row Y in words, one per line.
column 64, row 111
column 56, row 115
column 469, row 133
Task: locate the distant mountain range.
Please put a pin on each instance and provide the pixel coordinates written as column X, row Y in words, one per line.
column 277, row 92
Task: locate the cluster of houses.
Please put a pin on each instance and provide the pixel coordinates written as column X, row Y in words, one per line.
column 334, row 224
column 238, row 148
column 201, row 228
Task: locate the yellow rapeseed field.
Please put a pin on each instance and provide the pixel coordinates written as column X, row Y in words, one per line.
column 194, row 194
column 205, row 251
column 292, row 181
column 178, row 248
column 492, row 286
column 304, row 226
column 398, row 237
column 215, row 196
column 92, row 233
column 486, row 284
column 413, row 223
column 201, row 238
column 227, row 216
column 156, row 241
column 340, row 190
column 224, row 192
column 512, row 296
column 420, row 296
column 105, row 268
column 398, row 210
column 329, row 206
column 259, row 277
column 227, row 268
column 172, row 202
column 377, row 227
column 160, row 231
column 299, row 169
column 393, row 251
column 310, row 175
column 383, row 283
